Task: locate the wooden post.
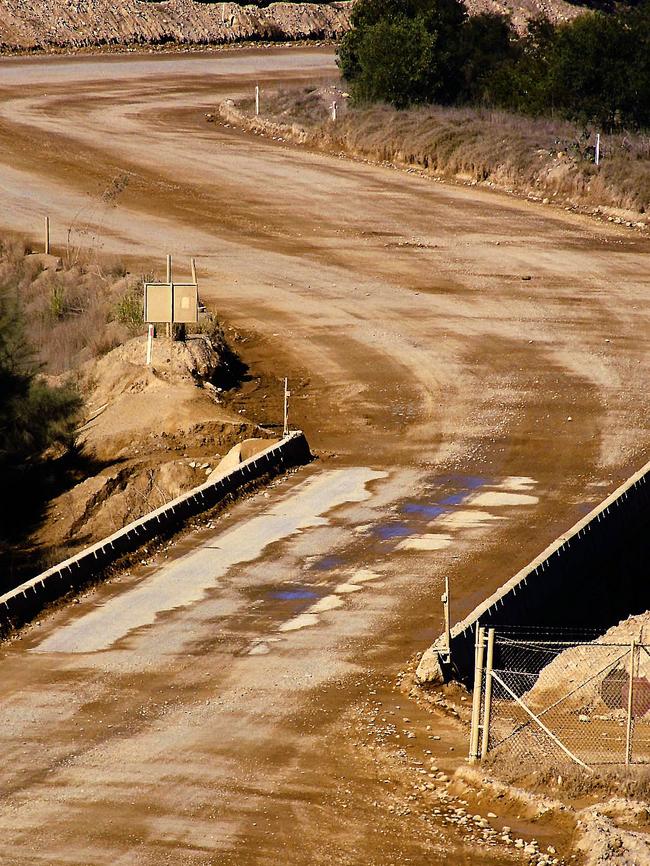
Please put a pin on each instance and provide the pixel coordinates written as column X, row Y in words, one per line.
column 487, row 709
column 169, row 269
column 47, row 235
column 257, row 100
column 334, row 107
column 193, row 261
column 287, row 394
column 478, row 687
column 630, row 706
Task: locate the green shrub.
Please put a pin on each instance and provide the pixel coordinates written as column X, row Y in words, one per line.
column 129, row 308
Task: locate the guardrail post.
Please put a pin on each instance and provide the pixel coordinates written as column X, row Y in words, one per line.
column 488, row 693
column 478, row 687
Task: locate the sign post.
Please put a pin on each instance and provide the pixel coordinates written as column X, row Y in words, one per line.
column 287, row 394
column 149, row 345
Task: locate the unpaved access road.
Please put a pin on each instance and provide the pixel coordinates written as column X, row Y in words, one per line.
column 473, row 373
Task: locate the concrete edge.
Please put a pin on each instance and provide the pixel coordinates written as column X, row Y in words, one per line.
column 431, row 668
column 19, row 604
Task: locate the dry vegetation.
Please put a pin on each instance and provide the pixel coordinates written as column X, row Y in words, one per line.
column 72, row 314
column 541, row 158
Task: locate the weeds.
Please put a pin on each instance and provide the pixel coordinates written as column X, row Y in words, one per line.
column 545, row 157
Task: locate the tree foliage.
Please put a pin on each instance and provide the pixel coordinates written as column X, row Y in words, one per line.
column 594, row 68
column 33, row 415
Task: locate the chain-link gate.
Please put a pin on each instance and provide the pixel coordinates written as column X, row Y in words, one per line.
column 545, row 699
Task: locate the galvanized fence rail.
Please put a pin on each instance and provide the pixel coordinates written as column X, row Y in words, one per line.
column 547, row 699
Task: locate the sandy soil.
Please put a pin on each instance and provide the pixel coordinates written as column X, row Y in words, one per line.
column 449, row 342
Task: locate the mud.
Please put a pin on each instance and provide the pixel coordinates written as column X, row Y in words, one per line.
column 431, row 365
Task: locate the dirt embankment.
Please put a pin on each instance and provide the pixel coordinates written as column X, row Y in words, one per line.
column 33, row 25
column 545, row 161
column 63, row 25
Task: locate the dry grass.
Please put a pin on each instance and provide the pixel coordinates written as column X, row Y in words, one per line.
column 72, row 315
column 544, row 158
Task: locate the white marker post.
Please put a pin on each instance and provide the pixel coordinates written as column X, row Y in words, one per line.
column 287, row 394
column 149, row 345
column 334, row 107
column 445, row 603
column 597, row 148
column 193, row 262
column 47, row 235
column 257, row 100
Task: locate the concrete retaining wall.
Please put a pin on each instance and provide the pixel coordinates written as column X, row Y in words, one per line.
column 22, row 603
column 594, row 575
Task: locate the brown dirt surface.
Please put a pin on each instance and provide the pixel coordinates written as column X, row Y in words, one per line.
column 40, row 25
column 443, row 341
column 152, row 432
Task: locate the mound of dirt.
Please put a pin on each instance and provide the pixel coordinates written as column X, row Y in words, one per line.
column 597, row 674
column 64, row 24
column 152, row 432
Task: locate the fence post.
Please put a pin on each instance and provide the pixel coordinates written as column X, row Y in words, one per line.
column 478, row 688
column 487, row 709
column 630, row 697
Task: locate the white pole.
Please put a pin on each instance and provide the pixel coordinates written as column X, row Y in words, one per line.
column 477, row 696
column 334, row 112
column 285, row 427
column 149, row 345
column 487, row 708
column 445, row 603
column 47, row 235
column 597, row 148
column 193, row 271
column 257, row 100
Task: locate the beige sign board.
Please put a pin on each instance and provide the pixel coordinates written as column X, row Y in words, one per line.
column 171, row 302
column 185, row 298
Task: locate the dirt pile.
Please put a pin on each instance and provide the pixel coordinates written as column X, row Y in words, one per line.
column 37, row 25
column 573, row 672
column 31, row 25
column 152, row 432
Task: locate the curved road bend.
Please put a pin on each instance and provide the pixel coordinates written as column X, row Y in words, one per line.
column 477, row 365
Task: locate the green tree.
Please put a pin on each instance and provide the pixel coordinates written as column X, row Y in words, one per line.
column 404, row 51
column 33, row 415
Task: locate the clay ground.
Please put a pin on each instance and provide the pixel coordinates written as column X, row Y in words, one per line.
column 473, row 374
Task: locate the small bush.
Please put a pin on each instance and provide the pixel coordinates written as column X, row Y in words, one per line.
column 129, row 309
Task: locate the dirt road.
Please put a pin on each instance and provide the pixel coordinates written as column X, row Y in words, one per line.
column 474, row 375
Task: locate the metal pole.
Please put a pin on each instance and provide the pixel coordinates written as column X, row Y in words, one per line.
column 149, row 345
column 257, row 100
column 597, row 148
column 445, row 605
column 487, row 709
column 47, row 235
column 630, row 694
column 287, row 394
column 476, row 702
column 194, row 271
column 169, row 269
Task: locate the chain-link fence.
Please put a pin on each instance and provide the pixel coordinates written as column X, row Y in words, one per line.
column 547, row 699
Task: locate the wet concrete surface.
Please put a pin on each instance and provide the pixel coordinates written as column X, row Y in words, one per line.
column 214, row 705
